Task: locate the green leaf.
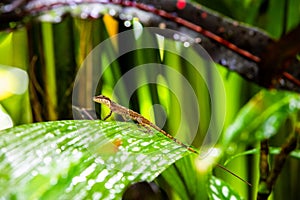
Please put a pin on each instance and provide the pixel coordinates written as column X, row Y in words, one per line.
column 5, row 119
column 3, row 36
column 185, row 180
column 12, row 80
column 263, row 115
column 86, row 159
column 273, row 151
column 293, row 154
column 218, row 190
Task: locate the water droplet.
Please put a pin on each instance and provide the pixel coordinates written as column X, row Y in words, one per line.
column 198, row 40
column 225, row 191
column 223, row 62
column 162, row 25
column 144, row 144
column 128, row 167
column 176, row 36
column 130, row 178
column 95, row 13
column 136, row 149
column 58, row 151
column 186, row 44
column 53, row 181
column 75, row 151
column 127, row 23
column 218, row 182
column 49, row 136
column 122, row 185
column 39, row 153
column 122, row 16
column 34, row 173
column 233, row 198
column 84, row 15
column 130, row 140
column 216, row 197
column 97, row 195
column 101, row 176
column 78, row 179
column 213, row 188
column 47, row 160
column 251, row 33
column 90, row 184
column 112, row 12
column 108, row 185
column 4, row 150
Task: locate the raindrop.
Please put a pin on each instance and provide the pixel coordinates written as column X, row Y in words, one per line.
column 213, row 188
column 94, row 13
column 162, row 25
column 130, row 140
column 53, row 145
column 127, row 23
column 225, row 191
column 122, row 16
column 58, row 151
column 223, row 62
column 144, row 144
column 47, row 160
column 233, row 198
column 128, row 167
column 78, row 179
column 39, row 153
column 186, row 44
column 130, row 178
column 49, row 136
column 90, row 184
column 176, row 36
column 198, row 40
column 108, row 185
column 97, row 195
column 251, row 33
column 184, row 39
column 136, row 149
column 154, row 159
column 7, row 8
column 112, row 12
column 53, row 181
column 215, row 197
column 101, row 176
column 34, row 173
column 84, row 15
column 112, row 196
column 282, row 82
column 69, row 189
column 218, row 182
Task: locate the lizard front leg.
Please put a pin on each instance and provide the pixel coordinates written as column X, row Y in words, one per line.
column 105, row 118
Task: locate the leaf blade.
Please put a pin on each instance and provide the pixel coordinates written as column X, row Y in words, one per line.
column 62, row 158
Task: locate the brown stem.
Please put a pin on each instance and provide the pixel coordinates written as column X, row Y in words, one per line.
column 263, row 193
column 268, row 179
column 280, row 159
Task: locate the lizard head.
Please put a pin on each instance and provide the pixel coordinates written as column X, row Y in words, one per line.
column 102, row 99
